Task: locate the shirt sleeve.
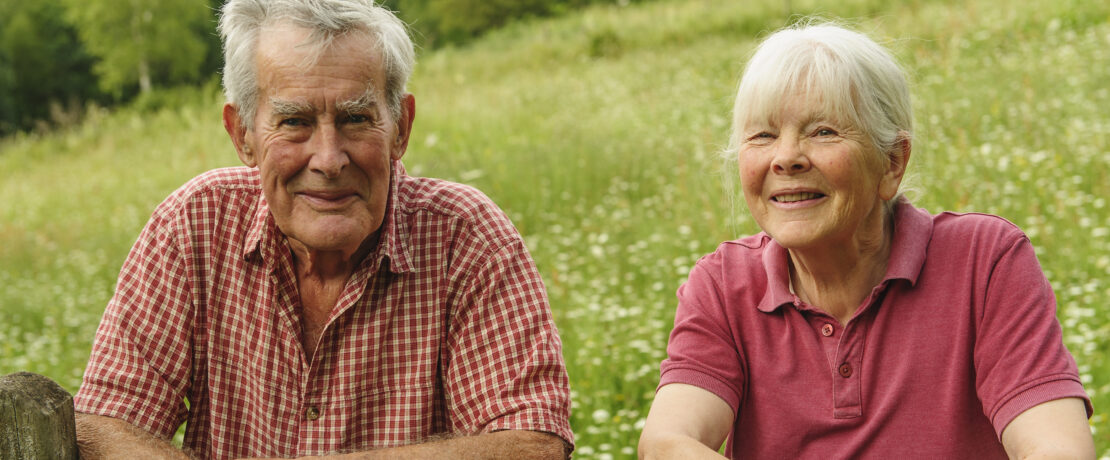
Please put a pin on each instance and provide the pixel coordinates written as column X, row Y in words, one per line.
column 504, row 368
column 701, row 350
column 1020, row 358
column 139, row 368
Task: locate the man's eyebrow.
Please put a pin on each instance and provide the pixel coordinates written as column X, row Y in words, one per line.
column 287, row 107
column 362, row 104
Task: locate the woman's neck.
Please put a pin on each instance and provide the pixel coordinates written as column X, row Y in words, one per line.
column 838, row 278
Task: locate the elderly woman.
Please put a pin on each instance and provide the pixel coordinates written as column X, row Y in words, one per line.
column 856, row 325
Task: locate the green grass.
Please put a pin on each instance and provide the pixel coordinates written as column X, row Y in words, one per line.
column 599, row 133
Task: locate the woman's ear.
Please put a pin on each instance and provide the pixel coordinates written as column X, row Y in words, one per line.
column 234, row 127
column 899, row 156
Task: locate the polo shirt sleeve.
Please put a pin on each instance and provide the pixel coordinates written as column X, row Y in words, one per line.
column 139, row 368
column 505, row 369
column 1020, row 359
column 701, row 350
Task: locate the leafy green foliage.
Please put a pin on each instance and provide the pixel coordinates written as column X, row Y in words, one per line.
column 44, row 69
column 440, row 22
column 142, row 41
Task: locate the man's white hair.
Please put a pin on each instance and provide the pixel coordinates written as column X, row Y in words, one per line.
column 242, row 20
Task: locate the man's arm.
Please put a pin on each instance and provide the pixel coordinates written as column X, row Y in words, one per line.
column 685, row 422
column 500, row 444
column 1053, row 429
column 497, row 445
column 100, row 437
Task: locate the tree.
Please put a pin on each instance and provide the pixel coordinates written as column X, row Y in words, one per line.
column 143, row 42
column 42, row 64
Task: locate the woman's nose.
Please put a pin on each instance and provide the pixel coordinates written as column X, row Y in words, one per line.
column 789, row 158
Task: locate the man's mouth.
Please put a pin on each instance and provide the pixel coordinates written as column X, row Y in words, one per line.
column 327, row 195
column 794, row 197
column 327, row 199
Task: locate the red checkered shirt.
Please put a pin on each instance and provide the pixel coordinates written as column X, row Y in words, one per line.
column 445, row 328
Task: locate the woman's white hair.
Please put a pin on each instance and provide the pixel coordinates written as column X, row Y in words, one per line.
column 241, row 21
column 855, row 79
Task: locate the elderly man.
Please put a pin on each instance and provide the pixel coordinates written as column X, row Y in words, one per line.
column 320, row 301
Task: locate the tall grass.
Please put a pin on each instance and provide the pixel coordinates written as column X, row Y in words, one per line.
column 599, row 133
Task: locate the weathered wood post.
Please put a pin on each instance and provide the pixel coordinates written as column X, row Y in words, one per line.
column 36, row 419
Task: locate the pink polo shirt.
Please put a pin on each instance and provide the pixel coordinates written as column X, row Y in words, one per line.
column 959, row 338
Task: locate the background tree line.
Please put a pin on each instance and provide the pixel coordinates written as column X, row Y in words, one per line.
column 59, row 57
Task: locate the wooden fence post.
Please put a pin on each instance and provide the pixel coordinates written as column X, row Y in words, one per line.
column 36, row 419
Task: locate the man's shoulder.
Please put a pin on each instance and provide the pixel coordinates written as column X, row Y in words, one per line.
column 235, row 178
column 221, row 181
column 451, row 201
column 212, row 192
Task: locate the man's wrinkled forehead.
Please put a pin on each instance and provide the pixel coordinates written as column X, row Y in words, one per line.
column 286, row 53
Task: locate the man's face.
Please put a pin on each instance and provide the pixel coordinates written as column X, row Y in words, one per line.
column 323, row 139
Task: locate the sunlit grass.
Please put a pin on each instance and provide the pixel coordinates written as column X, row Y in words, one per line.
column 599, row 133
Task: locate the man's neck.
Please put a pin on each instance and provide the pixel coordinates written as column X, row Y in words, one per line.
column 321, row 278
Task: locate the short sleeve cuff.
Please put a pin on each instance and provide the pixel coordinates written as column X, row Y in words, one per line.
column 724, row 390
column 535, row 420
column 1057, row 388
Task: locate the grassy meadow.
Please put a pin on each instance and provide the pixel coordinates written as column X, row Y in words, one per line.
column 600, row 134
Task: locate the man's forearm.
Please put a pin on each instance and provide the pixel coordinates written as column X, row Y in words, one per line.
column 100, row 437
column 515, row 444
column 502, row 444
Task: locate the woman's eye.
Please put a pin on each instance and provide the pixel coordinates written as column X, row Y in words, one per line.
column 763, row 136
column 825, row 132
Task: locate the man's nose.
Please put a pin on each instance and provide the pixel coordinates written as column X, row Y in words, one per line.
column 328, row 154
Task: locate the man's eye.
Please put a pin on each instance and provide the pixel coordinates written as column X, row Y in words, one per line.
column 292, row 122
column 357, row 118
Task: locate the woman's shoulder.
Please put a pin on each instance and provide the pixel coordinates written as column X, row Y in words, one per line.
column 735, row 259
column 748, row 247
column 973, row 234
column 974, row 225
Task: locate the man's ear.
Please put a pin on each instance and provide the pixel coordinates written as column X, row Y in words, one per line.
column 404, row 126
column 234, row 126
column 899, row 156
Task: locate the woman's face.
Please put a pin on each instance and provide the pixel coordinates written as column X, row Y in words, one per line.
column 812, row 181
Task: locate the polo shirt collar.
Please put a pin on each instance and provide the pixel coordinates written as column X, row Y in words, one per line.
column 913, row 229
column 264, row 239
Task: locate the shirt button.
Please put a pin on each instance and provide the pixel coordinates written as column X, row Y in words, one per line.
column 845, row 370
column 312, row 413
column 827, row 330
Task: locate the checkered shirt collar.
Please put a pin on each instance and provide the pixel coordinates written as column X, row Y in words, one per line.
column 265, row 239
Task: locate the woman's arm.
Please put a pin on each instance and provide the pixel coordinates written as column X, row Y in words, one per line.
column 1054, row 429
column 685, row 422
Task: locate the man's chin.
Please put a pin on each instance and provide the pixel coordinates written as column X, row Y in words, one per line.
column 346, row 244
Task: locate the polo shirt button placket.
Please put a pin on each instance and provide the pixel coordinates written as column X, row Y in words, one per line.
column 827, row 330
column 845, row 370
